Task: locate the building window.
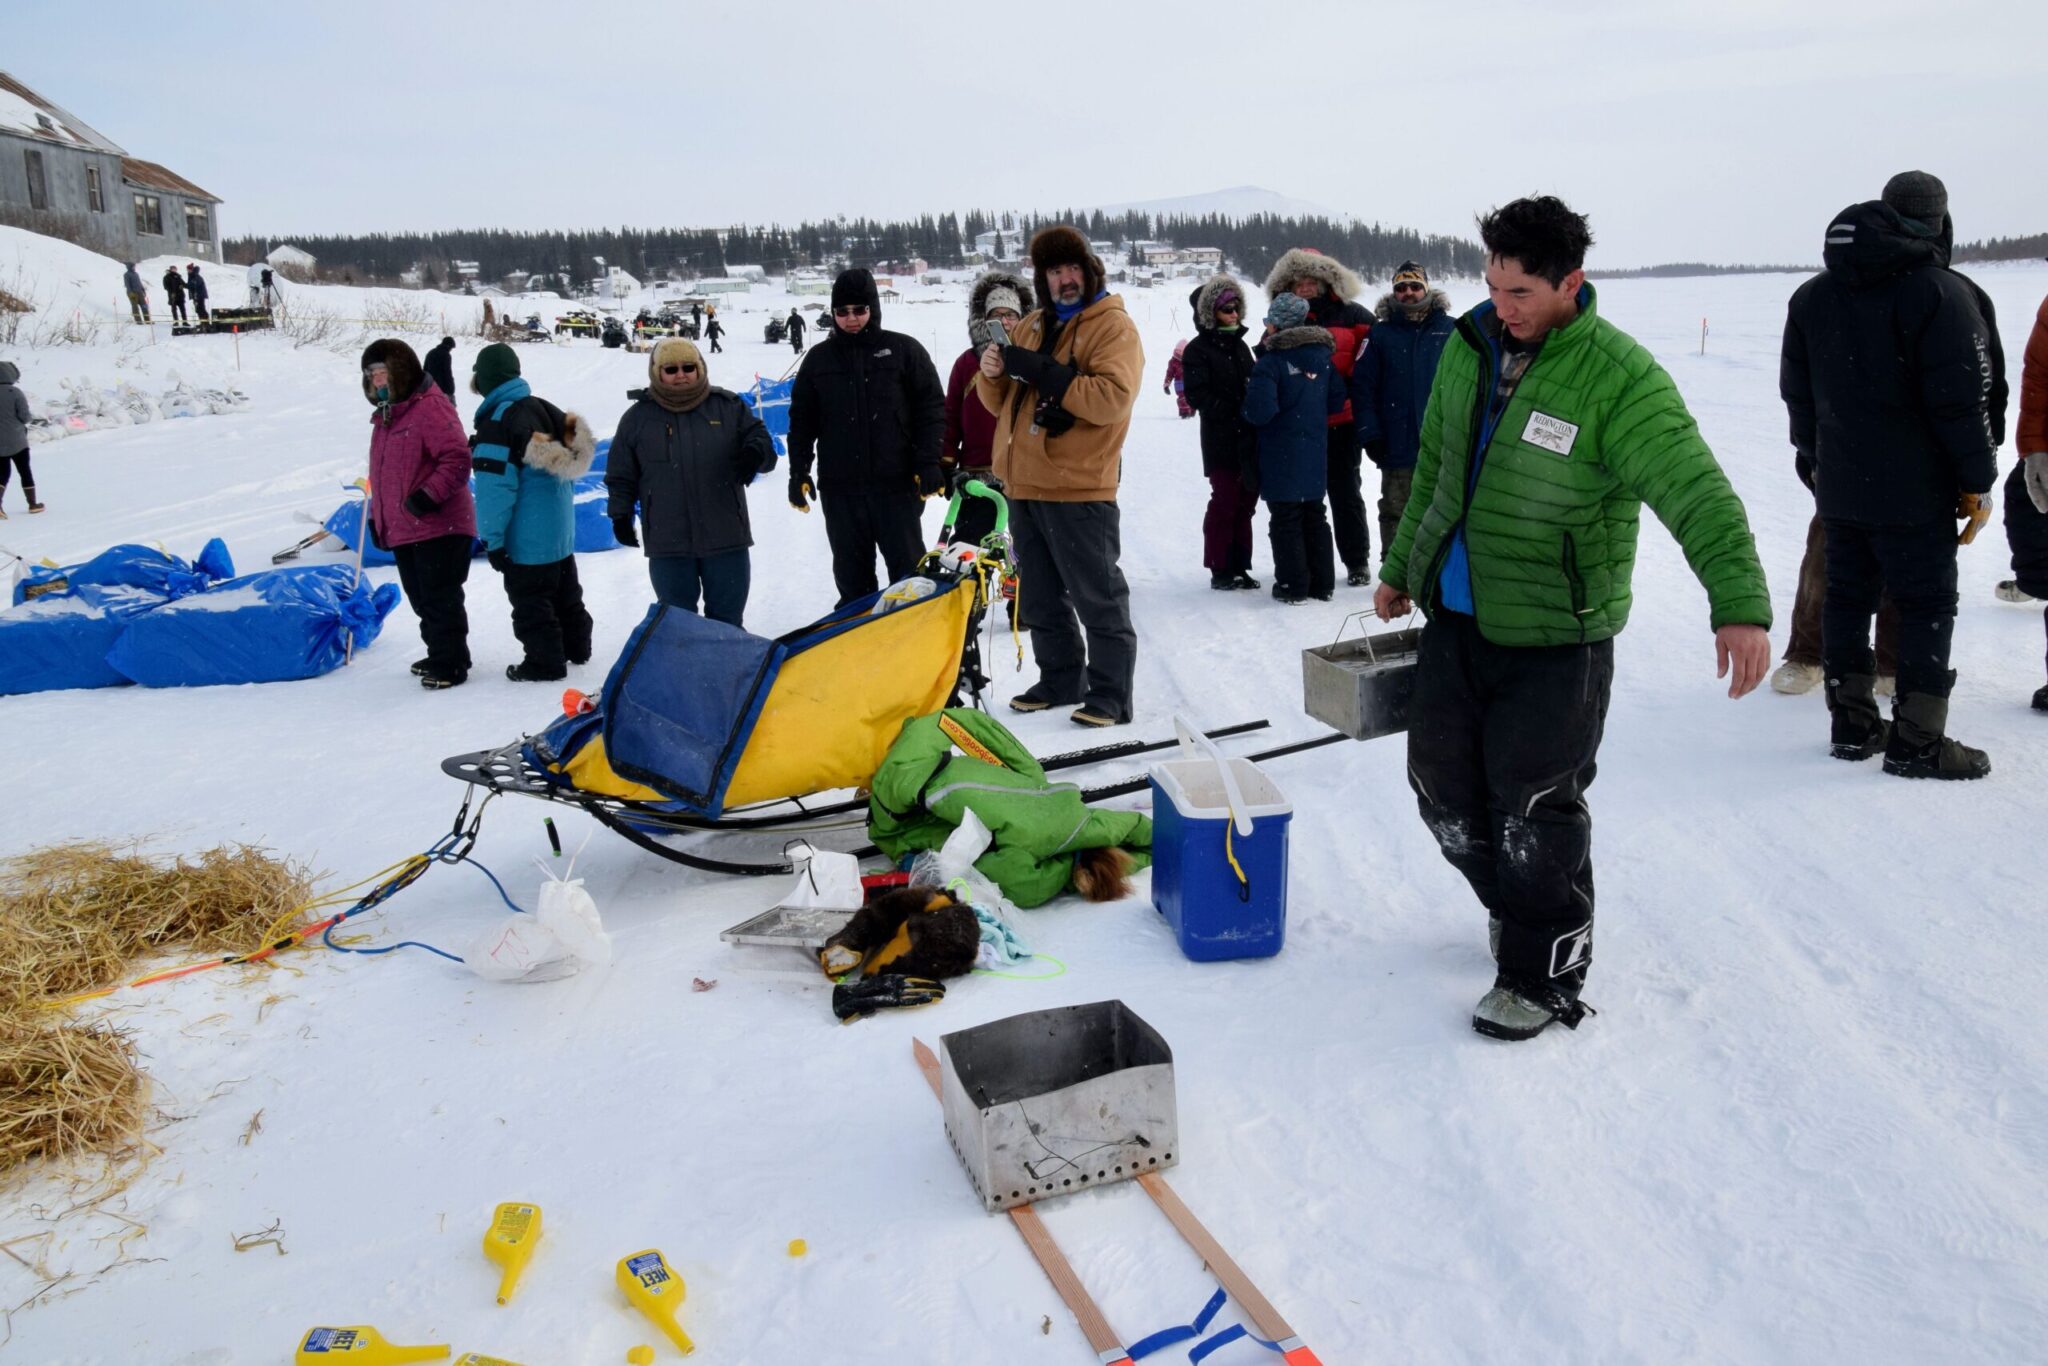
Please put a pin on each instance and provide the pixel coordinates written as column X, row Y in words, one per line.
column 149, row 216
column 94, row 200
column 196, row 226
column 38, row 189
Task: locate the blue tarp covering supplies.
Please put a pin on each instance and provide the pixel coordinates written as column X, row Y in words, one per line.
column 137, row 614
column 769, row 398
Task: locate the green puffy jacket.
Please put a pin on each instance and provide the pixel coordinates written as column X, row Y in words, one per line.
column 924, row 788
column 1595, row 429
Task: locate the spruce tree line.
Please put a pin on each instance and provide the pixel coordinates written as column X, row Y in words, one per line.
column 565, row 259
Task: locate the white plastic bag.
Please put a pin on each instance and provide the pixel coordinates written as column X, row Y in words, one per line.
column 951, row 867
column 825, row 881
column 556, row 940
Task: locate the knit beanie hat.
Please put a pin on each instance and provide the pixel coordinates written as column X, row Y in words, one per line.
column 495, row 364
column 1002, row 296
column 1918, row 196
column 1411, row 273
column 1286, row 310
column 855, row 286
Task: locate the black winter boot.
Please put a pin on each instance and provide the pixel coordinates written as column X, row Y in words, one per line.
column 1919, row 747
column 2041, row 698
column 1856, row 731
column 1516, row 1010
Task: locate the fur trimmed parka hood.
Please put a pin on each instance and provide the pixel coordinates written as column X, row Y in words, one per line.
column 989, row 280
column 568, row 459
column 1061, row 245
column 1287, row 339
column 398, row 358
column 1386, row 308
column 1205, row 300
column 1306, row 263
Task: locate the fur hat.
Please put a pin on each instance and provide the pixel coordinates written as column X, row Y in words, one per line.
column 1411, row 273
column 986, row 284
column 495, row 364
column 1060, row 245
column 1212, row 289
column 675, row 351
column 1285, row 311
column 400, row 361
column 1306, row 263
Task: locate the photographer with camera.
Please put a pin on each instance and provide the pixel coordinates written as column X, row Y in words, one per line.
column 1062, row 392
column 867, row 407
column 998, row 301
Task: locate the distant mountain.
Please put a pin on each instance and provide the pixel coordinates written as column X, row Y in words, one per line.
column 1239, row 202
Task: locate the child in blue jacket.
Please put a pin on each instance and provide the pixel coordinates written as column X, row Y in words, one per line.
column 1293, row 391
column 526, row 457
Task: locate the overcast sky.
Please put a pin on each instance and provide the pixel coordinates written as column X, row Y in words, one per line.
column 1723, row 131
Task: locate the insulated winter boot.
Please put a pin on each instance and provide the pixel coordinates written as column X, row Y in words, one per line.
column 1516, row 1010
column 1031, row 699
column 1223, row 582
column 526, row 671
column 1856, row 731
column 2041, row 698
column 1284, row 594
column 28, row 491
column 420, row 667
column 1919, row 746
column 1246, row 582
column 1795, row 679
column 436, row 677
column 2009, row 590
column 1359, row 578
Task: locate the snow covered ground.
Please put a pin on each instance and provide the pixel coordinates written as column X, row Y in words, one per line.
column 1809, row 1123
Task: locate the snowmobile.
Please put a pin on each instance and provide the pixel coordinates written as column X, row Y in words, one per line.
column 613, row 334
column 777, row 330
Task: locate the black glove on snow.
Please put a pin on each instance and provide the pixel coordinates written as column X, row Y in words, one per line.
column 1376, row 449
column 498, row 560
column 858, row 1000
column 931, row 480
column 1038, row 370
column 623, row 533
column 801, row 490
column 419, row 505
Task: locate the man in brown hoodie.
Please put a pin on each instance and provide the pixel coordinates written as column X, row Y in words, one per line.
column 1062, row 393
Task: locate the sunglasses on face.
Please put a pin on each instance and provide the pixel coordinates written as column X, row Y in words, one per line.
column 850, row 311
column 678, row 369
column 1408, row 289
column 1226, row 308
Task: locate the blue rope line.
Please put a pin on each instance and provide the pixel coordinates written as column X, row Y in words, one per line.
column 435, row 853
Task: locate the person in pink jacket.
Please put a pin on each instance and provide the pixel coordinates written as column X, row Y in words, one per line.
column 1176, row 380
column 420, row 505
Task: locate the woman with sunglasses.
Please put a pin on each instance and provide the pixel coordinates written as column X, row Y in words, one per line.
column 1216, row 366
column 683, row 456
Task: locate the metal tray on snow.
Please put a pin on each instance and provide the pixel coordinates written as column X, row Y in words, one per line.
column 789, row 927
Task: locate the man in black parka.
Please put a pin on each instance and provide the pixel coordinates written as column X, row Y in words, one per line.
column 1895, row 382
column 867, row 406
column 439, row 364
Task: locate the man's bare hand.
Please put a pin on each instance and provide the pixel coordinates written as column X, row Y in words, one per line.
column 1748, row 648
column 992, row 361
column 1389, row 602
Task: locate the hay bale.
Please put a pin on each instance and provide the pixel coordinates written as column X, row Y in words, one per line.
column 66, row 1089
column 78, row 917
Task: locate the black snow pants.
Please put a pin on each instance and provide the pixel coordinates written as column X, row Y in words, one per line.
column 432, row 573
column 2026, row 532
column 1347, row 498
column 548, row 615
column 1916, row 567
column 1501, row 748
column 1302, row 563
column 858, row 525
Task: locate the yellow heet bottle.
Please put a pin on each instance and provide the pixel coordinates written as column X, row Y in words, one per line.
column 652, row 1287
column 510, row 1240
column 360, row 1345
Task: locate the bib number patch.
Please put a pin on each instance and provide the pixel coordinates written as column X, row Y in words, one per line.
column 1553, row 434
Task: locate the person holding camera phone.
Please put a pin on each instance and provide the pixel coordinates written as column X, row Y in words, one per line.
column 1062, row 391
column 998, row 301
column 867, row 408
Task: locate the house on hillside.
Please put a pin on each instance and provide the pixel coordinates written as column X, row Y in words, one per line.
column 1209, row 257
column 60, row 177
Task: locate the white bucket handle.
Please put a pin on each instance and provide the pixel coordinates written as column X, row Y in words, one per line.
column 1196, row 745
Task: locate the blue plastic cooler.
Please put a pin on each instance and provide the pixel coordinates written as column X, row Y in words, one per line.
column 1219, row 852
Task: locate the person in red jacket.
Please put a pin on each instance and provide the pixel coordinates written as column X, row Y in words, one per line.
column 1332, row 292
column 997, row 297
column 421, row 509
column 2026, row 488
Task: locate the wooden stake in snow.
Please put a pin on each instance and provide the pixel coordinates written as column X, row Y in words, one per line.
column 1703, row 336
column 237, row 330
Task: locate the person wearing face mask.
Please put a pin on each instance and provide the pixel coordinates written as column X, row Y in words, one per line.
column 1062, row 392
column 1390, row 385
column 683, row 456
column 1216, row 367
column 867, row 410
column 420, row 504
column 997, row 297
column 527, row 455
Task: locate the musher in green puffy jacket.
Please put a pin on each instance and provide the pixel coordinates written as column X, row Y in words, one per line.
column 1547, row 430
